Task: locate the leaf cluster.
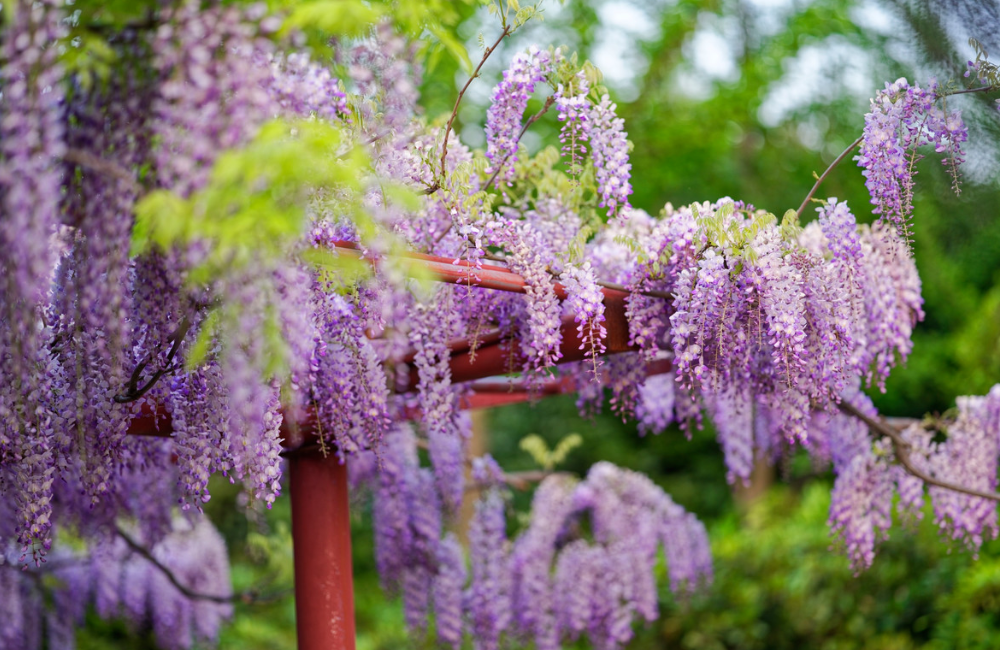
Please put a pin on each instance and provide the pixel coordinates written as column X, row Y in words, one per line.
column 989, row 72
column 254, row 206
column 547, row 458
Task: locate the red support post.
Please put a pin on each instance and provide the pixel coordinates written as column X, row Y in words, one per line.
column 321, row 537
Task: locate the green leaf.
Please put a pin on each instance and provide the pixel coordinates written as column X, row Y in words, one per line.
column 536, row 448
column 88, row 59
column 339, row 269
column 350, row 18
column 254, row 206
column 403, row 196
column 453, row 46
column 540, row 453
column 159, row 221
column 566, row 445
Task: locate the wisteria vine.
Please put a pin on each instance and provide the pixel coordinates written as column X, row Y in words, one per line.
column 218, row 238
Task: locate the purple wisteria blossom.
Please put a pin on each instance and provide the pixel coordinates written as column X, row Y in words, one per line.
column 303, row 87
column 861, row 501
column 969, row 458
column 446, row 428
column 574, row 112
column 903, row 118
column 118, row 582
column 214, row 96
column 508, row 103
column 32, row 142
column 625, row 373
column 586, row 302
column 533, row 597
column 540, row 345
column 610, row 151
column 448, row 586
column 731, row 409
column 654, row 409
column 488, row 599
column 387, row 73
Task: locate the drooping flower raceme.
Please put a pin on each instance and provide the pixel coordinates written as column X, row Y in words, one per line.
column 655, row 407
column 540, row 345
column 586, row 302
column 968, row 457
column 610, row 150
column 903, row 118
column 32, row 142
column 574, row 113
column 488, row 597
column 508, row 103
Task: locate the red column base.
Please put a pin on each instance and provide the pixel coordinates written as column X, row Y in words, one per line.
column 321, row 534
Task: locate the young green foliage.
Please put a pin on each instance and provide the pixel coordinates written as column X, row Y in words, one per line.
column 547, row 458
column 254, row 206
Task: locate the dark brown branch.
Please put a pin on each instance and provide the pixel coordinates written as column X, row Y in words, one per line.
column 133, row 390
column 242, row 597
column 902, row 449
column 829, row 169
column 652, row 293
column 517, row 480
column 102, row 166
column 969, row 91
column 522, row 480
column 458, row 100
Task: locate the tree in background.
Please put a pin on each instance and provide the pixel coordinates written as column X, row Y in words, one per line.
column 184, row 190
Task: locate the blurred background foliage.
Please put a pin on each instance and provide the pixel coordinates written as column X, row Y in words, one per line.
column 746, row 99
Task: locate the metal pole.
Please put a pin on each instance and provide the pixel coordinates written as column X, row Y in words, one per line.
column 321, row 537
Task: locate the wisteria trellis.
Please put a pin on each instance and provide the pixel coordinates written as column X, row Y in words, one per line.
column 769, row 325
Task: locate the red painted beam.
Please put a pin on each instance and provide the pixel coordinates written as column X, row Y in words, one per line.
column 504, row 357
column 493, row 356
column 451, row 271
column 489, row 394
column 321, row 538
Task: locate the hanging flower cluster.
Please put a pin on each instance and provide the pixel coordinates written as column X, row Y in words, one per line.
column 903, row 118
column 867, row 479
column 548, row 585
column 574, row 112
column 116, row 581
column 776, row 315
column 507, row 106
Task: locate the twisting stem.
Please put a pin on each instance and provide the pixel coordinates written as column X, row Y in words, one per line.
column 243, row 596
column 534, row 118
column 458, row 100
column 967, row 91
column 133, row 390
column 102, row 166
column 829, row 169
column 523, row 480
column 902, row 448
column 652, row 293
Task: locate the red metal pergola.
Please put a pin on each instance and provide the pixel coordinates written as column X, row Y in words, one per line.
column 324, row 591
